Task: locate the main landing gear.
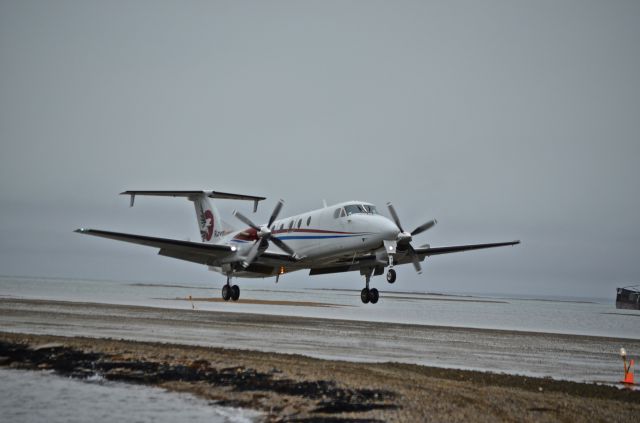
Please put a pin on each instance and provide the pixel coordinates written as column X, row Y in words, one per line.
column 230, row 292
column 369, row 295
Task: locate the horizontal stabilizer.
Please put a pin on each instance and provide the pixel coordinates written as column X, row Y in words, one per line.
column 193, row 194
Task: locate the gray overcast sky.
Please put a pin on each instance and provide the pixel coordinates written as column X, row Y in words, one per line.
column 502, row 119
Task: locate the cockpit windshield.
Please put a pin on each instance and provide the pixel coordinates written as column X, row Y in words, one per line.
column 360, row 209
column 369, row 208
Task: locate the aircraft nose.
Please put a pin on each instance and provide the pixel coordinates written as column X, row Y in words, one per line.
column 388, row 229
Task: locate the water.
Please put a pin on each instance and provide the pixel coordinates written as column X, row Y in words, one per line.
column 27, row 396
column 353, row 334
column 549, row 315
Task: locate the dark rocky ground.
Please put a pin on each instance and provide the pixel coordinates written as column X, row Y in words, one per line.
column 302, row 389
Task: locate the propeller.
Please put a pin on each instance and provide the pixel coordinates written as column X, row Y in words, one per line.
column 264, row 235
column 405, row 238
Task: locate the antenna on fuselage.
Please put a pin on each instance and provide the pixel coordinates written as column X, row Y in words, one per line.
column 324, row 203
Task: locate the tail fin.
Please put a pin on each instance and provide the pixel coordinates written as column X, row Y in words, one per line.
column 209, row 222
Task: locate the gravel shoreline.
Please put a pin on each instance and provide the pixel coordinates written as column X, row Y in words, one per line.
column 289, row 387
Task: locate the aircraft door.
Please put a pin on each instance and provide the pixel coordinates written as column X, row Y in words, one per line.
column 350, row 225
column 340, row 225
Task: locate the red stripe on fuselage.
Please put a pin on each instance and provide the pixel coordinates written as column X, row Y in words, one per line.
column 248, row 234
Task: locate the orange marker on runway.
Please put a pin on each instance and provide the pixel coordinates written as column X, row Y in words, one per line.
column 628, row 373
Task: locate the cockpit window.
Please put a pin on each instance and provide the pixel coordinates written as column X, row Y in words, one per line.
column 353, row 209
column 370, row 208
column 360, row 208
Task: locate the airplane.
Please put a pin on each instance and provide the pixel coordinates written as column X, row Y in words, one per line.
column 344, row 237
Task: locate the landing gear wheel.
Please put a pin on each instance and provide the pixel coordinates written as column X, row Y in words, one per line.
column 391, row 276
column 235, row 292
column 373, row 295
column 364, row 295
column 226, row 292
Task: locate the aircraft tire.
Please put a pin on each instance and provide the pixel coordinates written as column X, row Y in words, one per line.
column 364, row 295
column 226, row 292
column 235, row 292
column 391, row 276
column 373, row 295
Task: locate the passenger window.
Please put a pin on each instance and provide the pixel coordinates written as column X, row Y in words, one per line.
column 281, row 226
column 299, row 223
column 308, row 220
column 290, row 226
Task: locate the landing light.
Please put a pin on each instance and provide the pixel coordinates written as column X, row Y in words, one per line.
column 234, row 248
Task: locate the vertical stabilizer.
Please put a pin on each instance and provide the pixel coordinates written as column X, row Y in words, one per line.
column 209, row 221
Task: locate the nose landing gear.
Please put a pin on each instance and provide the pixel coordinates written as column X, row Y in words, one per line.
column 391, row 276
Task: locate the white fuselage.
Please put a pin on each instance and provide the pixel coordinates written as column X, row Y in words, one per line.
column 340, row 230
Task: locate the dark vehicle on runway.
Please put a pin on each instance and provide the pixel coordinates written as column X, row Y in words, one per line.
column 628, row 298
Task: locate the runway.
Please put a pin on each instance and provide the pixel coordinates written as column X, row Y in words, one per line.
column 570, row 357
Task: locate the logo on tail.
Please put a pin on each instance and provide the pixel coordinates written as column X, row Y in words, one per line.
column 206, row 224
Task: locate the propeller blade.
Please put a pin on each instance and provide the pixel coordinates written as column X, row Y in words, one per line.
column 394, row 215
column 416, row 265
column 415, row 259
column 276, row 212
column 251, row 255
column 420, row 229
column 283, row 246
column 245, row 220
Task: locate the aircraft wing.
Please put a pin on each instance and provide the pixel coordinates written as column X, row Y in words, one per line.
column 427, row 251
column 357, row 263
column 197, row 252
column 348, row 264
